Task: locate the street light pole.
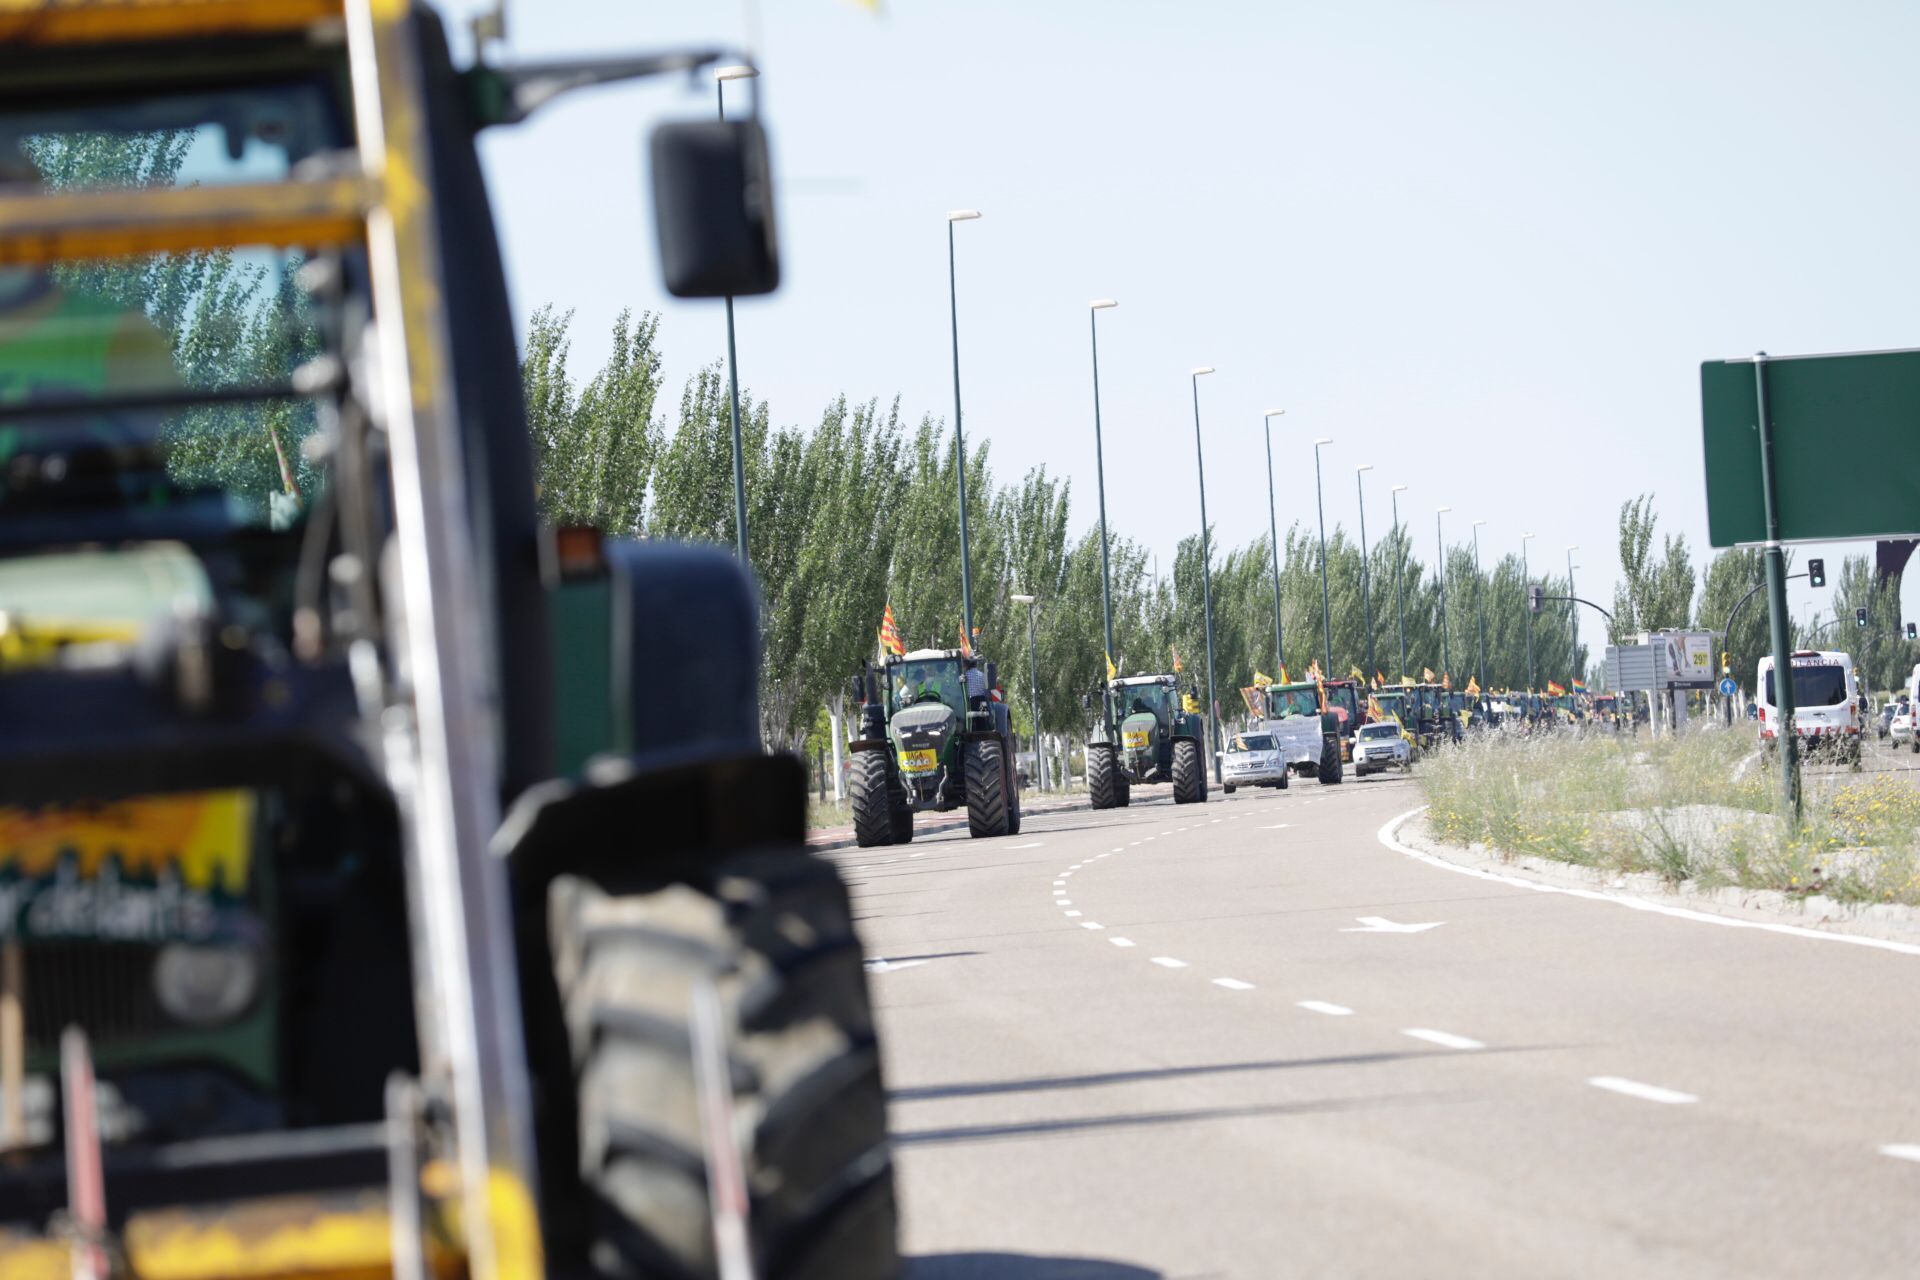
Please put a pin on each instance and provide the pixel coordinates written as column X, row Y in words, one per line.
column 1326, row 599
column 1273, row 535
column 1573, row 624
column 720, row 77
column 1526, row 585
column 1366, row 585
column 1206, row 568
column 959, row 440
column 1033, row 676
column 1094, row 309
column 1399, row 564
column 1479, row 608
column 1440, row 551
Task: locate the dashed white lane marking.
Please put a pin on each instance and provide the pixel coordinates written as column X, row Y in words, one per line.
column 1215, row 819
column 1902, row 1150
column 1073, row 913
column 1059, row 881
column 1064, row 902
column 1644, row 1092
column 1089, row 924
column 880, row 964
column 1035, row 845
column 1278, row 826
column 1121, row 942
column 1386, row 835
column 1059, row 893
column 1444, row 1038
column 1168, row 962
column 1135, row 842
column 921, row 854
column 1322, row 1006
column 1233, row 984
column 1117, row 849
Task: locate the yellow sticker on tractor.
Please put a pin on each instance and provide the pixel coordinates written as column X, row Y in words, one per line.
column 1136, row 739
column 925, row 761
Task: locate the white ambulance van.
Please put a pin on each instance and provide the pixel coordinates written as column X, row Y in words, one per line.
column 1829, row 712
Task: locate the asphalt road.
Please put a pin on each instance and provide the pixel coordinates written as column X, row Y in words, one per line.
column 1204, row 1041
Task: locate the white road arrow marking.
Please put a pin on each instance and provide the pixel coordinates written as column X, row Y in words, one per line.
column 1380, row 924
column 1902, row 1150
column 887, row 966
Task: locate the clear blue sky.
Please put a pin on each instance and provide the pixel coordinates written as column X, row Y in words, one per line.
column 1483, row 246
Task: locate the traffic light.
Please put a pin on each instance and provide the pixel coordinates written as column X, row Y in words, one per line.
column 1534, row 595
column 1913, row 631
column 1816, row 573
column 1860, row 617
column 1726, row 662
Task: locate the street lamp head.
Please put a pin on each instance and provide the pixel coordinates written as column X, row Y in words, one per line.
column 1525, row 536
column 1101, row 304
column 1440, row 511
column 1478, row 523
column 736, row 72
column 1205, row 368
column 1572, row 549
column 1399, row 488
column 1019, row 599
column 1274, row 413
column 1322, row 440
column 963, row 215
column 1365, row 466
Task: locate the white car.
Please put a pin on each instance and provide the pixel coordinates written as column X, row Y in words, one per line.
column 1379, row 747
column 1901, row 728
column 1253, row 760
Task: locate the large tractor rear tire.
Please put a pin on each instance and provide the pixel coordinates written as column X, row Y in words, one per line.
column 1189, row 772
column 774, row 935
column 986, row 773
column 1104, row 784
column 1332, row 769
column 869, row 794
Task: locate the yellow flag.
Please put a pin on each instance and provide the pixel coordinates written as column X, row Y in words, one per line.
column 1473, row 685
column 1426, row 674
column 1112, row 670
column 1284, row 677
column 1261, row 679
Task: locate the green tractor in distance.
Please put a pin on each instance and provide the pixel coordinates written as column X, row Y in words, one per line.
column 1159, row 742
column 925, row 744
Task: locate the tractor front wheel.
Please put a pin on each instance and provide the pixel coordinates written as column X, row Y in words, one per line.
column 899, row 808
column 1332, row 770
column 771, row 935
column 1189, row 772
column 1103, row 777
column 986, row 773
column 870, row 793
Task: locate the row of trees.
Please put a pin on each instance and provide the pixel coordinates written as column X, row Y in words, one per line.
column 859, row 510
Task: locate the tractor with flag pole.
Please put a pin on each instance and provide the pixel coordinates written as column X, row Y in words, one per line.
column 1162, row 738
column 370, row 904
column 933, row 735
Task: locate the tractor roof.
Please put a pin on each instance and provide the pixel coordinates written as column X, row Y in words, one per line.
column 1137, row 680
column 919, row 655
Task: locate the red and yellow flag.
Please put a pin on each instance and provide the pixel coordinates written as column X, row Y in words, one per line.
column 1446, row 680
column 1427, row 676
column 966, row 645
column 1473, row 685
column 890, row 634
column 1284, row 677
column 1176, row 660
column 1554, row 688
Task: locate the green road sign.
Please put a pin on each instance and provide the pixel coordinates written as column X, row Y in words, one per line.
column 1846, row 447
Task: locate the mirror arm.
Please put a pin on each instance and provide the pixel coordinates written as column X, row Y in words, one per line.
column 509, row 94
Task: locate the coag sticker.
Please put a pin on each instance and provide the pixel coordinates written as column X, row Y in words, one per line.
column 1136, row 739
column 924, row 761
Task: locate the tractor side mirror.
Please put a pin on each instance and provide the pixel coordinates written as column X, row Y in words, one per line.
column 713, row 208
column 993, row 675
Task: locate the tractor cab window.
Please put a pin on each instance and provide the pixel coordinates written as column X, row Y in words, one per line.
column 1285, row 703
column 929, row 680
column 1344, row 699
column 159, row 388
column 1155, row 700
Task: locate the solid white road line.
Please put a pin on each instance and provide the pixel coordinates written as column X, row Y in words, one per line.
column 1168, row 962
column 1233, row 984
column 1089, row 924
column 1902, row 1150
column 1444, row 1038
column 1121, row 942
column 1322, row 1006
column 1644, row 1092
column 1386, row 834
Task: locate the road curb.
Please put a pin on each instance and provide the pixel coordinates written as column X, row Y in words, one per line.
column 1890, row 926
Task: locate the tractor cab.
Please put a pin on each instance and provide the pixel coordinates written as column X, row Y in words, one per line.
column 928, row 676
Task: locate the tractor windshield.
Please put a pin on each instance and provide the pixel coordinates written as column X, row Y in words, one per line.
column 928, row 680
column 1155, row 700
column 1345, row 701
column 1283, row 703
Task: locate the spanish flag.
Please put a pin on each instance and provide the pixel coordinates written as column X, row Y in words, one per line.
column 1379, row 681
column 890, row 634
column 966, row 645
column 1284, row 677
column 1473, row 686
column 1446, row 680
column 1554, row 689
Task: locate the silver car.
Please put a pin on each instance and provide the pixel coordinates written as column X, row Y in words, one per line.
column 1379, row 747
column 1253, row 760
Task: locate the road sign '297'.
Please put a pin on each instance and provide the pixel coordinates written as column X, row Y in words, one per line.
column 1846, row 447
